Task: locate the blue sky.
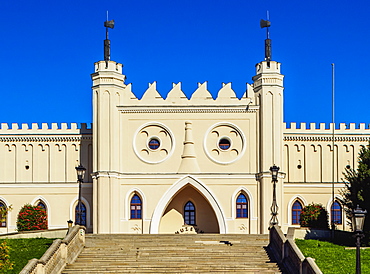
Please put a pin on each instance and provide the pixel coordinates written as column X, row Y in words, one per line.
column 48, row 50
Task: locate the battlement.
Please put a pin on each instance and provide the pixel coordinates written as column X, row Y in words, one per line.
column 112, row 66
column 326, row 128
column 45, row 128
column 201, row 96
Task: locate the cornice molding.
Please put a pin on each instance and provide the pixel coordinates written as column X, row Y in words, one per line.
column 182, row 109
column 327, row 138
column 124, row 175
column 30, row 139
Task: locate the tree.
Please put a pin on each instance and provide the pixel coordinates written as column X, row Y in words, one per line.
column 357, row 187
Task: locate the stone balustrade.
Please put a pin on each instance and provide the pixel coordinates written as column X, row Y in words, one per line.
column 59, row 254
column 288, row 255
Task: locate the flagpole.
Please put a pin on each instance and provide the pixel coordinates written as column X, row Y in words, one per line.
column 333, row 144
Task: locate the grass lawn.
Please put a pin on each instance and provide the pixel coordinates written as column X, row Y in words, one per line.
column 22, row 250
column 332, row 258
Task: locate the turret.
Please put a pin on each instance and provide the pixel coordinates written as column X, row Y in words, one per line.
column 268, row 91
column 108, row 87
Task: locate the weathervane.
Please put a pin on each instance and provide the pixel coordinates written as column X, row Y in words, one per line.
column 107, row 24
column 266, row 24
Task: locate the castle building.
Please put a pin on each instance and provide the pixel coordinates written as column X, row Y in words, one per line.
column 176, row 165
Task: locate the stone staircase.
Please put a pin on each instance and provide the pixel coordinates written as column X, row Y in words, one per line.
column 196, row 253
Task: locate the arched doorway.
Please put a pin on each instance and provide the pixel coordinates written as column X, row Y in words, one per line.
column 169, row 214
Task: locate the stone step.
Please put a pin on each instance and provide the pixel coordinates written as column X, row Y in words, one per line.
column 167, row 262
column 173, row 254
column 158, row 268
column 177, row 264
column 187, row 271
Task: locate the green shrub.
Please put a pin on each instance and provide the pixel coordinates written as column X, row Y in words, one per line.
column 315, row 216
column 5, row 263
column 32, row 218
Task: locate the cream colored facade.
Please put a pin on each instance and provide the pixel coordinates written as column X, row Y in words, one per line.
column 206, row 151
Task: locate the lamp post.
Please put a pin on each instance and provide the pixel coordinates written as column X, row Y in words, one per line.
column 70, row 223
column 274, row 207
column 358, row 219
column 80, row 175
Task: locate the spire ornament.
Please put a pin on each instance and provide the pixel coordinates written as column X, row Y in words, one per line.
column 266, row 24
column 107, row 25
column 189, row 162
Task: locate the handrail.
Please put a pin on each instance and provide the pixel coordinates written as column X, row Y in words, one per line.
column 59, row 254
column 288, row 255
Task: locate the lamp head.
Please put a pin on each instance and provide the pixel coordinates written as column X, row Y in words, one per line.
column 80, row 172
column 274, row 172
column 70, row 223
column 358, row 219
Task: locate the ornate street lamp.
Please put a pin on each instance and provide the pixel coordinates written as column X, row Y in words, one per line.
column 358, row 219
column 80, row 175
column 274, row 207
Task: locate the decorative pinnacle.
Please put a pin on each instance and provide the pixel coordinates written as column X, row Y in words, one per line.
column 266, row 24
column 189, row 162
column 107, row 25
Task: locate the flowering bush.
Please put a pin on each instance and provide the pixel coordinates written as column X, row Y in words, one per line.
column 5, row 263
column 32, row 218
column 315, row 216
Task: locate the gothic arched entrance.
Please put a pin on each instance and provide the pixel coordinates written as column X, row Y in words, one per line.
column 188, row 198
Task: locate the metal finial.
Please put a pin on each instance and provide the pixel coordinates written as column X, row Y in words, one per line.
column 107, row 25
column 266, row 24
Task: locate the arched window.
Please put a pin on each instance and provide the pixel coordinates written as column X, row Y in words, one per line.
column 189, row 213
column 135, row 207
column 42, row 205
column 296, row 212
column 336, row 213
column 241, row 206
column 3, row 219
column 80, row 214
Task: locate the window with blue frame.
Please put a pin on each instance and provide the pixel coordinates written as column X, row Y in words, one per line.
column 189, row 213
column 241, row 206
column 336, row 213
column 80, row 214
column 3, row 219
column 42, row 205
column 296, row 212
column 135, row 207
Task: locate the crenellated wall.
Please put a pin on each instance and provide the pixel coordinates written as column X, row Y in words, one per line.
column 46, row 153
column 308, row 150
column 176, row 97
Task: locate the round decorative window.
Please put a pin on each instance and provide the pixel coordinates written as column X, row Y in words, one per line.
column 153, row 143
column 224, row 143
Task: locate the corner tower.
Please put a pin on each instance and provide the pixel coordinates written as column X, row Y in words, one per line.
column 268, row 92
column 108, row 87
column 268, row 88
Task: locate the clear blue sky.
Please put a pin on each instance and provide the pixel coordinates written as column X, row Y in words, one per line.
column 49, row 47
